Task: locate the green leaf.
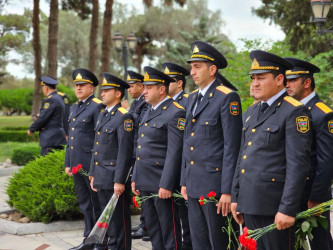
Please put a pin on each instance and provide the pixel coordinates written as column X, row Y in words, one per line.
column 305, row 245
column 310, row 235
column 313, row 221
column 322, row 221
column 305, row 226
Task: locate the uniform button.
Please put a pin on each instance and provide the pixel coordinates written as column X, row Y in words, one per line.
column 138, row 158
column 96, row 153
column 273, row 179
column 192, row 162
column 106, row 130
column 146, row 124
column 97, row 143
column 142, row 135
column 243, row 171
column 268, row 129
column 98, row 133
column 74, row 119
column 192, row 134
column 139, row 146
column 111, row 163
column 253, row 130
column 193, row 120
column 72, row 147
column 249, row 143
column 72, row 128
column 72, row 138
column 192, row 148
column 157, row 163
column 244, row 157
column 307, row 178
column 217, row 169
column 96, row 163
column 206, row 123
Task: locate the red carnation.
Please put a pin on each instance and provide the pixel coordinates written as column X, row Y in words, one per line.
column 74, row 170
column 79, row 166
column 105, row 225
column 211, row 194
column 100, row 224
column 201, row 200
column 246, row 232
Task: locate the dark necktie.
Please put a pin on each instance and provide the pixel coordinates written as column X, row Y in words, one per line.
column 79, row 106
column 262, row 110
column 199, row 99
column 105, row 114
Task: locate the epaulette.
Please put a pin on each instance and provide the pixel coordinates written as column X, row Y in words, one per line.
column 60, row 93
column 49, row 96
column 178, row 105
column 122, row 110
column 96, row 100
column 223, row 89
column 185, row 95
column 194, row 91
column 323, row 107
column 292, row 101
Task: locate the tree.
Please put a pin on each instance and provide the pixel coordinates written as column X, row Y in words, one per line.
column 295, row 19
column 37, row 56
column 93, row 36
column 52, row 55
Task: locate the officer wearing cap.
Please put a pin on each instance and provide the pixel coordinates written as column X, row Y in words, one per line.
column 111, row 160
column 301, row 86
column 159, row 156
column 274, row 158
column 211, row 144
column 82, row 121
column 177, row 87
column 138, row 108
column 49, row 122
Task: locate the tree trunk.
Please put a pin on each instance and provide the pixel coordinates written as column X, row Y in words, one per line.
column 106, row 38
column 37, row 54
column 52, row 55
column 93, row 36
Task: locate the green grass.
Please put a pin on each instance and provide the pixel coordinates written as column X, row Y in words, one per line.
column 15, row 121
column 6, row 148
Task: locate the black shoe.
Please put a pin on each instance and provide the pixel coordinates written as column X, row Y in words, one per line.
column 139, row 234
column 134, row 229
column 146, row 238
column 83, row 246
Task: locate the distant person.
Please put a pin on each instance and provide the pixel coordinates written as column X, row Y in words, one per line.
column 66, row 113
column 49, row 121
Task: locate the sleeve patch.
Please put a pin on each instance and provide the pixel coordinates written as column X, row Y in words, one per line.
column 96, row 100
column 234, row 108
column 181, row 124
column 224, row 89
column 323, row 107
column 46, row 105
column 178, row 105
column 66, row 100
column 292, row 101
column 302, row 124
column 128, row 125
column 122, row 110
column 330, row 126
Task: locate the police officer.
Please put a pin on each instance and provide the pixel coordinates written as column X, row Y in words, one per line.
column 111, row 160
column 301, row 86
column 82, row 120
column 177, row 87
column 211, row 144
column 138, row 109
column 49, row 122
column 66, row 113
column 158, row 162
column 274, row 158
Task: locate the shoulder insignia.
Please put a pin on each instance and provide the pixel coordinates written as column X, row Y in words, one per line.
column 185, row 95
column 194, row 91
column 46, row 105
column 330, row 126
column 234, row 108
column 49, row 96
column 60, row 93
column 96, row 100
column 122, row 110
column 128, row 125
column 323, row 107
column 302, row 124
column 66, row 100
column 292, row 101
column 223, row 89
column 178, row 105
column 181, row 124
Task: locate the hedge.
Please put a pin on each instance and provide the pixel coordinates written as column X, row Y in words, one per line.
column 21, row 156
column 17, row 135
column 42, row 191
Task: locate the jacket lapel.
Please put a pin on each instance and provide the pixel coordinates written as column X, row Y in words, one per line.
column 109, row 115
column 312, row 102
column 205, row 99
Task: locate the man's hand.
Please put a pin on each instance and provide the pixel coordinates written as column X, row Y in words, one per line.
column 68, row 171
column 283, row 221
column 184, row 192
column 29, row 132
column 164, row 193
column 312, row 204
column 237, row 215
column 136, row 192
column 118, row 189
column 224, row 204
column 125, row 104
column 92, row 184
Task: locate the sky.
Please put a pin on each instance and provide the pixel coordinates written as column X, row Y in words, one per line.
column 237, row 14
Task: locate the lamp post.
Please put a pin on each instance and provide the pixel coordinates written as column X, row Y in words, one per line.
column 320, row 9
column 121, row 46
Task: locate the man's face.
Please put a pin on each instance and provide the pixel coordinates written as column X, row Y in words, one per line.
column 295, row 88
column 45, row 89
column 82, row 91
column 152, row 94
column 201, row 73
column 265, row 86
column 135, row 89
column 109, row 97
column 175, row 87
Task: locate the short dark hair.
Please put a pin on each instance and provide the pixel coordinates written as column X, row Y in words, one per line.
column 211, row 64
column 275, row 73
column 181, row 78
column 166, row 87
column 122, row 91
column 51, row 86
column 313, row 84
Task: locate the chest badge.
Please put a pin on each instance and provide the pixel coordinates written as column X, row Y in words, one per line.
column 302, row 123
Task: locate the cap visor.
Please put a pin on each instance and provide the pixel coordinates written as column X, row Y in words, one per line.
column 195, row 59
column 293, row 76
column 260, row 71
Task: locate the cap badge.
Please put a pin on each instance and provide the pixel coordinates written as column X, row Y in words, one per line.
column 146, row 76
column 78, row 77
column 104, row 80
column 195, row 49
column 166, row 70
column 255, row 64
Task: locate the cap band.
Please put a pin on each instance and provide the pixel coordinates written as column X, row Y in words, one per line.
column 137, row 80
column 289, row 72
column 83, row 80
column 173, row 73
column 111, row 84
column 256, row 66
column 203, row 56
column 153, row 80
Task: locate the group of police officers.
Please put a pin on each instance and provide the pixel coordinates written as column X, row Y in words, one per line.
column 264, row 166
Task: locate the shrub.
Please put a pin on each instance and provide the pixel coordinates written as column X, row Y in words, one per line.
column 21, row 156
column 17, row 135
column 42, row 191
column 16, row 128
column 19, row 100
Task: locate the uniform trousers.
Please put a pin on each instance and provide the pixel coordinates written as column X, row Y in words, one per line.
column 162, row 221
column 183, row 215
column 88, row 202
column 206, row 226
column 274, row 240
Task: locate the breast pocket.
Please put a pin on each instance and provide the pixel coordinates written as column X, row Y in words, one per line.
column 159, row 131
column 209, row 126
column 107, row 135
column 86, row 125
column 272, row 136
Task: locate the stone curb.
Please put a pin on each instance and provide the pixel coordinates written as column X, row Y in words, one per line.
column 39, row 227
column 8, row 171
